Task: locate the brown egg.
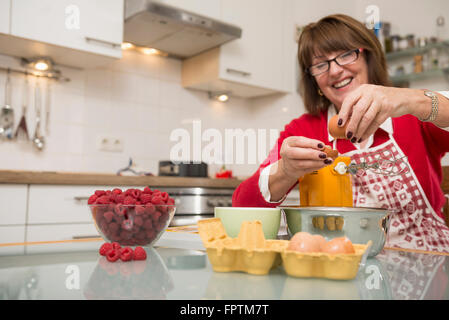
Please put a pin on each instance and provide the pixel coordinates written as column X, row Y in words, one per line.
column 331, row 153
column 336, row 131
column 338, row 245
column 320, row 240
column 304, row 242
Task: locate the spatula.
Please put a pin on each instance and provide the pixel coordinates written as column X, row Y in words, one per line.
column 22, row 129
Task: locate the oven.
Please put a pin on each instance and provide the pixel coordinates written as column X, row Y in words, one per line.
column 193, row 204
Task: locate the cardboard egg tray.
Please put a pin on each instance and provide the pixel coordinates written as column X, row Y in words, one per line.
column 251, row 253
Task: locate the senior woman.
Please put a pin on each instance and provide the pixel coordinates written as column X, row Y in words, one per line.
column 345, row 73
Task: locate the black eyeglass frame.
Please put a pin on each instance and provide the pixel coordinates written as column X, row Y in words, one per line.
column 358, row 51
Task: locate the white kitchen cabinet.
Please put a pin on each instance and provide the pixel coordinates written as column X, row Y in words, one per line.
column 253, row 65
column 5, row 6
column 93, row 26
column 78, row 33
column 208, row 8
column 59, row 204
column 13, row 204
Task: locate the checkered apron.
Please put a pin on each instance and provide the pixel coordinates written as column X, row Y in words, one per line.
column 414, row 224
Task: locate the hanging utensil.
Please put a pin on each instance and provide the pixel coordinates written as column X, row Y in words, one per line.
column 22, row 129
column 38, row 139
column 7, row 112
column 47, row 107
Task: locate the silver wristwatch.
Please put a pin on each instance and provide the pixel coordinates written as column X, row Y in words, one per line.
column 434, row 113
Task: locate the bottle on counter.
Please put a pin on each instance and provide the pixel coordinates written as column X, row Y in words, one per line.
column 418, row 64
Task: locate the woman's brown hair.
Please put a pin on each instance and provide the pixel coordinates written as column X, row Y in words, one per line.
column 335, row 33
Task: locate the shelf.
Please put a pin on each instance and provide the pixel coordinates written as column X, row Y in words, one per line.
column 420, row 76
column 415, row 51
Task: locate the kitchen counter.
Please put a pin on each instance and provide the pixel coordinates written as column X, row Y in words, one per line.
column 184, row 272
column 67, row 178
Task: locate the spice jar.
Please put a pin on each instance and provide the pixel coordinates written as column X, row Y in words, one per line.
column 410, row 41
column 418, row 64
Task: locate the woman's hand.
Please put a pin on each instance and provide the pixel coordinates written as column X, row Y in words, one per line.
column 368, row 106
column 301, row 155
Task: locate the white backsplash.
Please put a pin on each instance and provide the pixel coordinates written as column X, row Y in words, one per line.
column 138, row 99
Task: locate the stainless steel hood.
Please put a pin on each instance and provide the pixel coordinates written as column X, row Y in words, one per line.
column 172, row 30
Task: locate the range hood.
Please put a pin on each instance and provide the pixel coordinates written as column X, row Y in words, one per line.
column 179, row 33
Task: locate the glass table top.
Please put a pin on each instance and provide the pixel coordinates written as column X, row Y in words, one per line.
column 171, row 273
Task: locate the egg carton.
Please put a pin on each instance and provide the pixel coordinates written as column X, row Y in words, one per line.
column 250, row 252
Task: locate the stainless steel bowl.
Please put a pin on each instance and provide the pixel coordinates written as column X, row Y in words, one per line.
column 358, row 224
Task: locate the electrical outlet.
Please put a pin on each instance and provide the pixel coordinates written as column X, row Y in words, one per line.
column 109, row 144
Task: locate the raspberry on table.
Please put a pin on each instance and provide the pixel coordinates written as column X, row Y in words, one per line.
column 105, row 247
column 113, row 255
column 140, row 253
column 126, row 254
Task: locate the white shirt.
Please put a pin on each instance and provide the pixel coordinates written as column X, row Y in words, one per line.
column 331, row 111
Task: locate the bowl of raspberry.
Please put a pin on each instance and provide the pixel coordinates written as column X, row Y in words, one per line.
column 132, row 217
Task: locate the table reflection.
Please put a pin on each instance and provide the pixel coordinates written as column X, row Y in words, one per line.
column 144, row 279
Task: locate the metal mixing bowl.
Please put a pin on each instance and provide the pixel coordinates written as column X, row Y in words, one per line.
column 358, row 224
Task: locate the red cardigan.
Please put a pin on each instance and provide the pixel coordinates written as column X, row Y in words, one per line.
column 422, row 142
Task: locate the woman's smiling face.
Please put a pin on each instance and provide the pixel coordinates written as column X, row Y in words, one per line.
column 338, row 81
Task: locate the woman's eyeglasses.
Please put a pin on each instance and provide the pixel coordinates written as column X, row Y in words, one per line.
column 343, row 59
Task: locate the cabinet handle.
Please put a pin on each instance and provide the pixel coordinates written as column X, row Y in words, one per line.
column 81, row 198
column 85, row 237
column 243, row 73
column 112, row 44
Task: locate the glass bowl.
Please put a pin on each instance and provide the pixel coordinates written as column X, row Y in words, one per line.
column 132, row 225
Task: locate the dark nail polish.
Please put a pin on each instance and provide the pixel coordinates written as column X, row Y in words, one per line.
column 320, row 145
column 323, row 155
column 340, row 121
column 353, row 140
column 349, row 135
column 328, row 161
column 360, row 140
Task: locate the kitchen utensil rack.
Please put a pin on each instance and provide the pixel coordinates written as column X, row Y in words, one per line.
column 55, row 74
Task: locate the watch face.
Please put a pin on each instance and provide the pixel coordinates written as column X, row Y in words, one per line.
column 429, row 93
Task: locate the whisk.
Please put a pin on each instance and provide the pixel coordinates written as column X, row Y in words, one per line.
column 383, row 165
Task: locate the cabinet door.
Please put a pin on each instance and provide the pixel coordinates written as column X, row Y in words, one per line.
column 255, row 58
column 92, row 26
column 5, row 6
column 13, row 204
column 59, row 204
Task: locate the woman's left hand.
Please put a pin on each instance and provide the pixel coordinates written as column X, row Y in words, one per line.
column 368, row 106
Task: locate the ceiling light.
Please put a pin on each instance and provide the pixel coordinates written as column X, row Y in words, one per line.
column 127, row 45
column 150, row 51
column 41, row 66
column 219, row 96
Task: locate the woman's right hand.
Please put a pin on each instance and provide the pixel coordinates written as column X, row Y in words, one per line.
column 301, row 155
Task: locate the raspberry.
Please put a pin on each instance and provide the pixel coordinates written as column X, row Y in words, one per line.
column 136, row 193
column 147, row 190
column 138, row 221
column 150, row 208
column 113, row 227
column 105, row 247
column 108, row 216
column 164, row 196
column 157, row 200
column 156, row 215
column 113, row 255
column 140, row 254
column 129, row 200
column 148, row 224
column 116, row 246
column 119, row 198
column 92, row 199
column 170, row 201
column 145, row 198
column 116, row 191
column 140, row 210
column 126, row 254
column 103, row 200
column 99, row 193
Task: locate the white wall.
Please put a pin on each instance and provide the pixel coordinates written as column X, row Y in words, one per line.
column 139, row 99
